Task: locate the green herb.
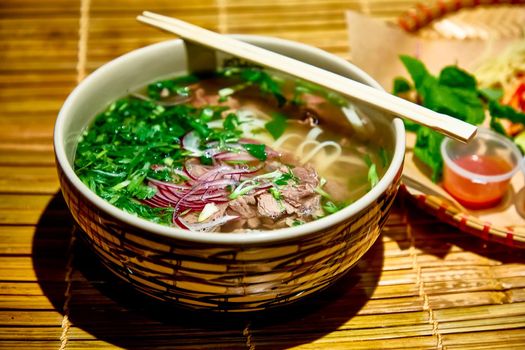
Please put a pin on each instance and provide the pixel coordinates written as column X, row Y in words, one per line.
column 498, row 110
column 383, row 155
column 373, row 177
column 491, row 94
column 427, row 149
column 330, row 207
column 297, row 222
column 256, row 150
column 206, row 160
column 401, row 86
column 277, row 125
column 285, row 178
column 275, row 193
column 252, row 75
column 231, row 122
column 176, row 86
column 453, row 92
column 520, row 141
column 135, row 139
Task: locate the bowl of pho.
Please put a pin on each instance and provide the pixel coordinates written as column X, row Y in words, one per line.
column 217, row 184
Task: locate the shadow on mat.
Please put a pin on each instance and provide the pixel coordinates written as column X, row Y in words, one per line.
column 102, row 307
column 437, row 238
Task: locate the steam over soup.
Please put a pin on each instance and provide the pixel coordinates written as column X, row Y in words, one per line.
column 238, row 149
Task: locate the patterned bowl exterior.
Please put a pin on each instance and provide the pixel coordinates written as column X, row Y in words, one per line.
column 227, row 278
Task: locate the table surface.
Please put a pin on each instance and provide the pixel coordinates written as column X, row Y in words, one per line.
column 423, row 284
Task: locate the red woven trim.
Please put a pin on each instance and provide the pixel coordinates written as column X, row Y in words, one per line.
column 426, row 12
column 509, row 238
column 422, row 199
column 421, row 15
column 442, row 8
column 442, row 210
column 486, row 230
column 463, row 223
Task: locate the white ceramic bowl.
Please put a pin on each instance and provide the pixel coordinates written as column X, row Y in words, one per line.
column 218, row 271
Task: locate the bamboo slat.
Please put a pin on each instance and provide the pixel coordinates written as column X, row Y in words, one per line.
column 424, row 285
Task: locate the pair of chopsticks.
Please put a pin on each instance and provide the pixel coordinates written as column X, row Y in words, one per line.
column 442, row 123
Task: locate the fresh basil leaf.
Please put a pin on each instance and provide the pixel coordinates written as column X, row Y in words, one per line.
column 416, row 69
column 497, row 110
column 491, row 94
column 401, row 85
column 496, row 125
column 427, row 149
column 277, row 125
column 456, row 77
column 460, row 103
column 520, row 141
column 410, row 125
column 256, row 150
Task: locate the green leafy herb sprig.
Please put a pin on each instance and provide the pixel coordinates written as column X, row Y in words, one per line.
column 253, row 75
column 117, row 152
column 454, row 92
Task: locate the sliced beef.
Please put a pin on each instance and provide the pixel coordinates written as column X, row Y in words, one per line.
column 301, row 199
column 296, row 194
column 268, row 206
column 244, row 206
column 306, row 175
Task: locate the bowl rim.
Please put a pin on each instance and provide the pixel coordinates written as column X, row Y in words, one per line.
column 237, row 238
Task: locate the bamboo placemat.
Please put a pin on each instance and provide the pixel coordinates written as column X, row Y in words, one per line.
column 423, row 285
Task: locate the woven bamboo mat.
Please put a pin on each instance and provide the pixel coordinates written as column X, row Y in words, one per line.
column 423, row 285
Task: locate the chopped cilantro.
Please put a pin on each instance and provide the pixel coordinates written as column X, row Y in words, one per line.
column 275, row 193
column 277, row 125
column 297, row 222
column 256, row 150
column 285, row 178
column 231, row 122
column 252, row 75
column 177, row 86
column 206, row 160
column 330, row 207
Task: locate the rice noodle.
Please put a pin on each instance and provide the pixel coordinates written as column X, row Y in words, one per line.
column 314, row 133
column 321, row 146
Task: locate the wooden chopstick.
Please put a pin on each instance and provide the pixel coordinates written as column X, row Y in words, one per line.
column 442, row 123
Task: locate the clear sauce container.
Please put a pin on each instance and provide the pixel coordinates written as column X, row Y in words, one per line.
column 477, row 174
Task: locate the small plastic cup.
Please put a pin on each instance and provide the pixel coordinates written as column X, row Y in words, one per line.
column 477, row 174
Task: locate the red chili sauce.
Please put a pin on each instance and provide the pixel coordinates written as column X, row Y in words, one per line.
column 477, row 195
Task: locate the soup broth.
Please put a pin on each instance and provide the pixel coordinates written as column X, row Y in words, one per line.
column 236, row 150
